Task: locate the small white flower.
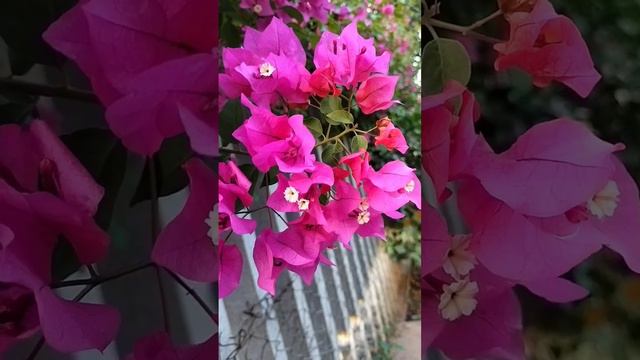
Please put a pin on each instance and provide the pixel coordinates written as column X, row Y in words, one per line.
column 364, row 205
column 364, row 217
column 606, row 201
column 410, row 186
column 458, row 299
column 459, row 259
column 266, row 69
column 303, row 204
column 257, row 8
column 212, row 221
column 291, row 194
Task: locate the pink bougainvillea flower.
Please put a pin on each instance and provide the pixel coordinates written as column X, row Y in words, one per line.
column 376, row 93
column 32, row 225
column 447, row 134
column 232, row 186
column 276, row 140
column 202, row 133
column 34, row 160
column 349, row 213
column 549, row 47
column 358, row 164
column 186, row 244
column 387, row 10
column 290, row 250
column 313, row 9
column 352, row 57
column 230, row 269
column 474, row 317
column 391, row 187
column 91, row 34
column 268, row 67
column 390, row 137
column 546, row 247
column 259, row 7
column 159, row 346
column 560, row 163
column 321, row 82
column 187, row 83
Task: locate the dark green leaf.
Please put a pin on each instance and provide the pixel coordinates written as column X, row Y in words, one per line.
column 294, row 13
column 232, row 116
column 339, row 117
column 314, row 125
column 330, row 104
column 331, row 154
column 358, row 142
column 444, row 60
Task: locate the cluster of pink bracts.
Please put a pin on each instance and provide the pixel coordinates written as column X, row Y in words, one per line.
column 267, row 70
column 154, row 70
column 533, row 212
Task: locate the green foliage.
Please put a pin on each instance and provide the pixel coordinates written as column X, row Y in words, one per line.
column 446, row 60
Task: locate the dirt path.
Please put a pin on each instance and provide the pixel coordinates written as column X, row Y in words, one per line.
column 408, row 341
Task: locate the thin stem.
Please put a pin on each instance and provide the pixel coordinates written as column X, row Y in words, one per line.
column 314, row 106
column 335, row 137
column 432, row 31
column 192, row 292
column 461, row 29
column 100, row 279
column 266, row 188
column 47, row 90
column 155, row 229
column 36, row 349
column 232, row 151
column 278, row 214
column 249, row 211
column 483, row 21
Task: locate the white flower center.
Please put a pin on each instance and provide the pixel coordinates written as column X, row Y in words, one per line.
column 212, row 221
column 411, row 185
column 364, row 205
column 291, row 194
column 459, row 259
column 266, row 69
column 257, row 8
column 458, row 299
column 364, row 217
column 303, row 204
column 605, row 202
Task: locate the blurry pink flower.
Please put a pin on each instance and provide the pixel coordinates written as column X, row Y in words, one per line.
column 276, row 140
column 358, row 164
column 186, row 245
column 31, row 226
column 352, row 57
column 549, row 47
column 475, row 317
column 447, row 134
column 390, row 137
column 161, row 65
column 315, row 9
column 259, row 7
column 159, row 346
column 376, row 93
column 321, row 82
column 387, row 10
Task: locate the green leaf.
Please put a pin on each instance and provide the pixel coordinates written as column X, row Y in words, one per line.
column 232, row 116
column 314, row 125
column 294, row 13
column 339, row 117
column 103, row 155
column 331, row 154
column 400, row 249
column 444, row 60
column 330, row 104
column 359, row 142
column 170, row 175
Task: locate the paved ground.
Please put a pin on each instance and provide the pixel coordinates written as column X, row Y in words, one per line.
column 408, row 341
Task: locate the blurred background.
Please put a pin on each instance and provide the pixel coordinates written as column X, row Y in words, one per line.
column 606, row 325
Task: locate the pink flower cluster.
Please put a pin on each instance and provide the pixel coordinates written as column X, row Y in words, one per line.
column 533, row 212
column 318, row 10
column 151, row 65
column 330, row 204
